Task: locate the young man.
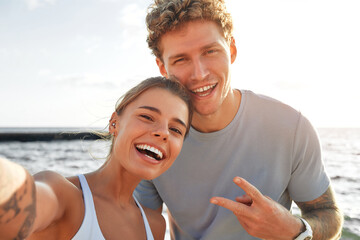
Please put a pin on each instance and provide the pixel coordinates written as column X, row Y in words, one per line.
column 270, row 151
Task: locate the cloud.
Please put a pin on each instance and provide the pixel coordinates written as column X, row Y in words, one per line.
column 91, row 49
column 44, row 72
column 132, row 26
column 84, row 80
column 132, row 17
column 291, row 85
column 3, row 51
column 34, row 4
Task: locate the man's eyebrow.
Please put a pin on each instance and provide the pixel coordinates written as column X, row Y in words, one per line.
column 159, row 112
column 207, row 46
column 210, row 45
column 180, row 55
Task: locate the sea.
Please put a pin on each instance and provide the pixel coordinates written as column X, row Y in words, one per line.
column 341, row 155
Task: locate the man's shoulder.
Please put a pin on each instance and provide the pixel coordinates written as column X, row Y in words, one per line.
column 267, row 114
column 267, row 105
column 263, row 98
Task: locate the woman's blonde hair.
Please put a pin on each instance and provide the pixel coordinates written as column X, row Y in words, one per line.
column 167, row 15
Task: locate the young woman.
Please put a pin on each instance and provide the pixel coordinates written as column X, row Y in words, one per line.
column 147, row 131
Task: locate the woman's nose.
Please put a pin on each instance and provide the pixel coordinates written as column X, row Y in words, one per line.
column 161, row 132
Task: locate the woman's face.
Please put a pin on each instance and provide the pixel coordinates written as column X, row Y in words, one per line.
column 150, row 132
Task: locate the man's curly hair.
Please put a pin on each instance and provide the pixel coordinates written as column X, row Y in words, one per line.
column 167, row 15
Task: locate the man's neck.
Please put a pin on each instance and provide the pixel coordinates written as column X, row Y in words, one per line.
column 221, row 118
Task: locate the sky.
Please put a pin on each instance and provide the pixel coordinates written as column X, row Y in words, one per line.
column 65, row 63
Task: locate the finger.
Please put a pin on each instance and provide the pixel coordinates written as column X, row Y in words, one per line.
column 249, row 189
column 235, row 207
column 244, row 199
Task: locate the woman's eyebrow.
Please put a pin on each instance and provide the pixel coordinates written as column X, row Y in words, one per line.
column 151, row 109
column 154, row 109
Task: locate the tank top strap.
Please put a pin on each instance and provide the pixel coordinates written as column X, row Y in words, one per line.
column 88, row 199
column 149, row 235
column 89, row 228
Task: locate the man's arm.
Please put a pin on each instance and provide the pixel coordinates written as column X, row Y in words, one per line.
column 264, row 218
column 323, row 215
column 147, row 194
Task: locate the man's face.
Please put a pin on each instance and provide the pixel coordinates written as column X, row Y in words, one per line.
column 199, row 56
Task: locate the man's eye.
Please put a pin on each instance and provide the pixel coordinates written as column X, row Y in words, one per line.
column 179, row 60
column 176, row 131
column 146, row 117
column 210, row 51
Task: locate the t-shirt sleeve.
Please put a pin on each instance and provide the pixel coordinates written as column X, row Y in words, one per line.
column 147, row 195
column 308, row 179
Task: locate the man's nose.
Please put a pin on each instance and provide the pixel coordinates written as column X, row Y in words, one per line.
column 200, row 70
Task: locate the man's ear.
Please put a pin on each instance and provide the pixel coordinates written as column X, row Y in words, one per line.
column 161, row 67
column 233, row 50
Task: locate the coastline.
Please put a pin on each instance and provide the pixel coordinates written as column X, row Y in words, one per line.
column 46, row 134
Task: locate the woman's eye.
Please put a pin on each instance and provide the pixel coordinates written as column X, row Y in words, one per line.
column 146, row 117
column 176, row 131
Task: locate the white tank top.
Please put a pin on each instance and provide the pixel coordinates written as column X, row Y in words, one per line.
column 89, row 229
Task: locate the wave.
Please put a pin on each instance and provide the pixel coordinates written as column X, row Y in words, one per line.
column 347, row 179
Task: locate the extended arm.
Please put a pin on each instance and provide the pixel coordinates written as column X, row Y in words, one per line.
column 323, row 215
column 20, row 199
column 17, row 201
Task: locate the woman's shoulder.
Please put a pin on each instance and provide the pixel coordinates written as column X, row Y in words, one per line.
column 67, row 190
column 157, row 223
column 64, row 199
column 57, row 182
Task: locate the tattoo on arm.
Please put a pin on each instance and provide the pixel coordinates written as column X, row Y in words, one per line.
column 31, row 214
column 11, row 208
column 323, row 215
column 14, row 206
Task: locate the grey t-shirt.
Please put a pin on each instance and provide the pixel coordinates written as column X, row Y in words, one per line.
column 268, row 143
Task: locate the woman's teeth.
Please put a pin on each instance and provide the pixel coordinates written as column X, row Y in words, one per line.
column 150, row 151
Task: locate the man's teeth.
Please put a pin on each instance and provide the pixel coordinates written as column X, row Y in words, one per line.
column 151, row 149
column 203, row 89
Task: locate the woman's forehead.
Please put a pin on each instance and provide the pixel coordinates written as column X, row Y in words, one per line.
column 160, row 98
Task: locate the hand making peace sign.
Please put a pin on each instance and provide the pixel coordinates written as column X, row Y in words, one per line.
column 259, row 215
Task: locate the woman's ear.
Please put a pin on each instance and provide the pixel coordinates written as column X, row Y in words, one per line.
column 112, row 124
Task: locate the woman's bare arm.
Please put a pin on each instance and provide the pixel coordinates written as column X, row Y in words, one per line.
column 26, row 206
column 17, row 201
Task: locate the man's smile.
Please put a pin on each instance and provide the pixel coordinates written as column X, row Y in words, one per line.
column 204, row 91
